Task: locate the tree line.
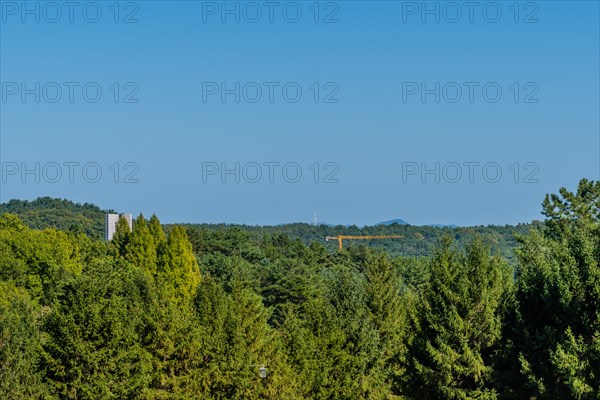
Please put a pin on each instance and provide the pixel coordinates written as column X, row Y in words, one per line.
column 46, row 212
column 189, row 313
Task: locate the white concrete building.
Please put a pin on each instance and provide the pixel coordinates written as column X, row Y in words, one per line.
column 111, row 224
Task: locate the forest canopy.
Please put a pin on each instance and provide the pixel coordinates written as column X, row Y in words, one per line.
column 234, row 312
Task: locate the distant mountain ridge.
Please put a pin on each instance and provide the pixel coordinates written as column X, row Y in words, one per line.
column 398, row 221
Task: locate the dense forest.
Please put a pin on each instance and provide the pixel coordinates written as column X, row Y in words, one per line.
column 62, row 214
column 230, row 312
column 416, row 241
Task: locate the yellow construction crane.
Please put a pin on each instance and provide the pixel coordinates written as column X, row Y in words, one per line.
column 340, row 239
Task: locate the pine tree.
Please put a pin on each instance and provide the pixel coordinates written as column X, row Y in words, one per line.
column 333, row 343
column 239, row 341
column 557, row 330
column 176, row 341
column 390, row 315
column 459, row 321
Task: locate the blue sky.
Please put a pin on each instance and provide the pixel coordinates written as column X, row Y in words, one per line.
column 359, row 121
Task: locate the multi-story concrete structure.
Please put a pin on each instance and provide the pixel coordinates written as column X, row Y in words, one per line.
column 111, row 224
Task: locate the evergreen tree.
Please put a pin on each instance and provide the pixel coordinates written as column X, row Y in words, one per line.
column 156, row 230
column 141, row 249
column 160, row 241
column 333, row 344
column 135, row 318
column 121, row 237
column 176, row 341
column 238, row 343
column 94, row 335
column 459, row 322
column 557, row 330
column 390, row 313
column 178, row 266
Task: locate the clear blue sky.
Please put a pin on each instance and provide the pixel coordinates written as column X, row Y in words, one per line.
column 372, row 57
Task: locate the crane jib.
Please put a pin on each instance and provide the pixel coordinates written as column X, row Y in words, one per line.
column 341, row 238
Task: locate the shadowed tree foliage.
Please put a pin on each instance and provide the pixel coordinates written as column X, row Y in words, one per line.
column 556, row 335
column 121, row 238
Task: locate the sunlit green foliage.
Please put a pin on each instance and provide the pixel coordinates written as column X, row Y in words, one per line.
column 201, row 312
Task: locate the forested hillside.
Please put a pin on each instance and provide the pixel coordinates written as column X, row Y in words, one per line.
column 46, row 212
column 223, row 314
